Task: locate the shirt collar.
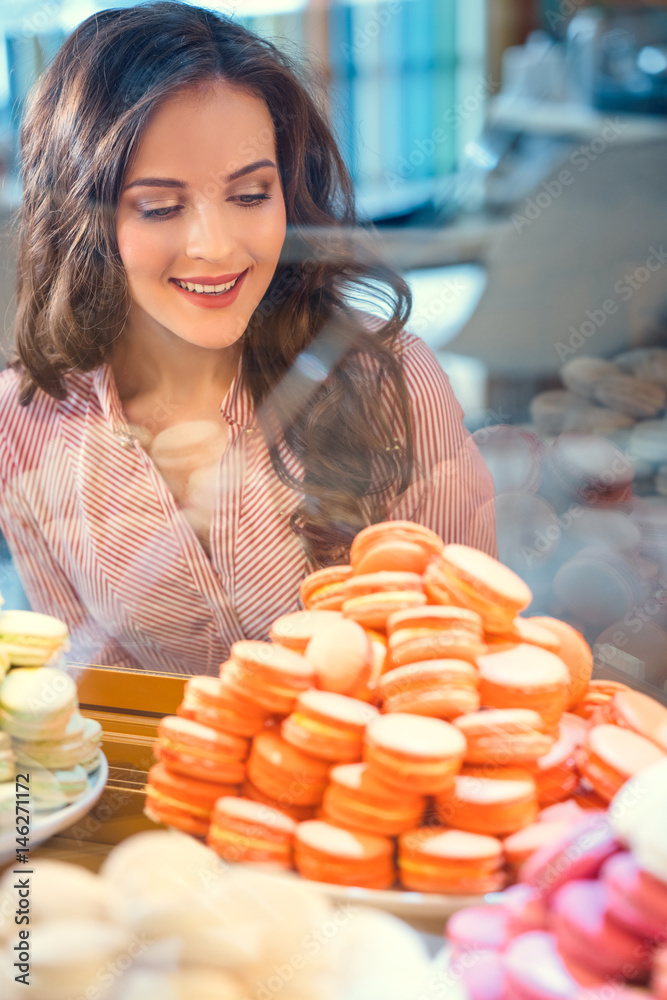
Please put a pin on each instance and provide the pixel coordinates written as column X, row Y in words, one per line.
column 237, row 406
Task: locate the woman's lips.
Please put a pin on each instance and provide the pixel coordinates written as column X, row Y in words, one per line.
column 212, row 300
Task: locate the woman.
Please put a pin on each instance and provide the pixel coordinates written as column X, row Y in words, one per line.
column 197, row 415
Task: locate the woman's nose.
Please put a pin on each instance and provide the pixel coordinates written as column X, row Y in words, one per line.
column 210, row 234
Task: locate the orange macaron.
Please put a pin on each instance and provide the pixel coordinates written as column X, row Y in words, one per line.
column 269, row 675
column 491, row 800
column 197, row 751
column 370, row 599
column 596, row 699
column 504, row 736
column 394, row 545
column 574, row 651
column 283, row 803
column 556, row 772
column 296, row 629
column 610, row 756
column 523, row 630
column 284, row 773
column 433, row 859
column 328, row 725
column 328, row 853
column 211, row 701
column 441, row 688
column 469, row 578
column 644, row 715
column 413, row 753
column 433, row 632
column 243, row 830
column 356, row 800
column 182, row 802
column 525, row 676
column 343, row 658
column 323, row 589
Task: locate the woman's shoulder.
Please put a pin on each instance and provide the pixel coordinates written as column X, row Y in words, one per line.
column 421, row 369
column 40, row 416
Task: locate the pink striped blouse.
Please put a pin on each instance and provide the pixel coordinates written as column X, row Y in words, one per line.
column 100, row 542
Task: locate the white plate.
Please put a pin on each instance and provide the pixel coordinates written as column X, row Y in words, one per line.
column 45, row 825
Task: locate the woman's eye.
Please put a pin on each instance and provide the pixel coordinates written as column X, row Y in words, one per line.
column 248, row 200
column 159, row 213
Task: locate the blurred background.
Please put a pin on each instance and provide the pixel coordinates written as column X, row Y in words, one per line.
column 509, row 156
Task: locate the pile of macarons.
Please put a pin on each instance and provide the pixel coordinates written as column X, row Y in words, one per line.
column 167, row 920
column 41, row 730
column 588, row 916
column 408, row 725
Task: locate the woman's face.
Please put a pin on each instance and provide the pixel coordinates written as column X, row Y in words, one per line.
column 202, row 204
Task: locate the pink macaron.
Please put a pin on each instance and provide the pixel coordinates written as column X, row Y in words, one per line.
column 586, row 934
column 578, row 854
column 633, row 903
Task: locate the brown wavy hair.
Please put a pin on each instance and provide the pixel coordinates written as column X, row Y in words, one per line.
column 331, row 386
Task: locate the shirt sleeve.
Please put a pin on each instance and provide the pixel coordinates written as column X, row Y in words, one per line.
column 451, row 490
column 46, row 584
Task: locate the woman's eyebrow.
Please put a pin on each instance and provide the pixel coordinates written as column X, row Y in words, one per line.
column 169, row 182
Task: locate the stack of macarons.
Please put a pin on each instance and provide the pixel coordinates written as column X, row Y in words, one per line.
column 49, row 738
column 589, row 913
column 29, row 639
column 408, row 696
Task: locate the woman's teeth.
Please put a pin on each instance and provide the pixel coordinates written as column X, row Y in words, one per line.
column 206, row 289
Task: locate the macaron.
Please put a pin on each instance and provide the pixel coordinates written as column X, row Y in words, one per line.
column 370, row 599
column 434, row 632
column 504, row 736
column 30, row 639
column 433, row 859
column 640, row 713
column 283, row 803
column 197, row 751
column 395, row 546
column 637, row 397
column 327, row 853
column 55, row 754
column 519, row 846
column 413, row 753
column 343, row 658
column 512, row 456
column 182, row 802
column 578, row 854
column 469, row 578
column 92, row 743
column 525, row 630
column 37, row 703
column 7, row 758
column 635, row 903
column 285, row 773
column 483, row 978
column 587, row 936
column 597, row 695
column 243, row 830
column 355, row 799
column 268, row 675
column 328, row 726
column 295, row 630
column 583, row 374
column 323, row 589
column 54, row 789
column 611, row 755
column 67, row 956
column 477, row 928
column 491, row 800
column 212, row 702
column 556, row 773
column 525, row 676
column 574, row 651
column 535, row 970
column 525, row 908
column 440, row 688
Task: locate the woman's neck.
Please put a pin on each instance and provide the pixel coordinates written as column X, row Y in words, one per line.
column 154, row 362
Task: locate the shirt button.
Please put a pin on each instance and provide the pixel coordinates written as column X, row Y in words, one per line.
column 125, row 440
